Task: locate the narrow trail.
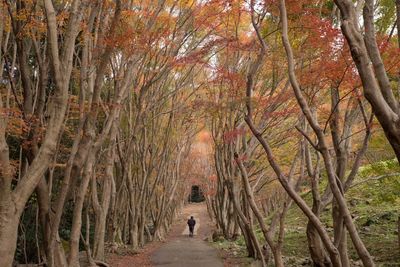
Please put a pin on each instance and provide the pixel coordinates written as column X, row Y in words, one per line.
column 180, row 250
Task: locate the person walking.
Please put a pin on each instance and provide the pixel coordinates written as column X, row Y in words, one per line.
column 191, row 223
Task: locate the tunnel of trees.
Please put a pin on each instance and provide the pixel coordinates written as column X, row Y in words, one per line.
column 196, row 194
column 283, row 114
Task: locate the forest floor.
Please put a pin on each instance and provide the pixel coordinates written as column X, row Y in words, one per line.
column 374, row 206
column 178, row 249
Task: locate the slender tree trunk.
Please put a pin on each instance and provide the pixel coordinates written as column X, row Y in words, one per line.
column 73, row 258
column 398, row 41
column 249, row 193
column 247, row 224
column 398, row 231
column 43, row 206
column 339, row 233
column 99, row 235
column 251, row 252
column 101, row 209
column 322, row 147
column 56, row 254
column 316, row 247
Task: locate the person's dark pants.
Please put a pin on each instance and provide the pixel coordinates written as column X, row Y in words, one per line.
column 191, row 228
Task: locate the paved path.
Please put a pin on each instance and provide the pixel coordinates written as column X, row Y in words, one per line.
column 183, row 251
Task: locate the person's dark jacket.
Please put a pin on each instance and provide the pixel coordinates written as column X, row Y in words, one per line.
column 191, row 223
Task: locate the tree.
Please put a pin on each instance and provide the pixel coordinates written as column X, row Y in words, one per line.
column 367, row 57
column 15, row 197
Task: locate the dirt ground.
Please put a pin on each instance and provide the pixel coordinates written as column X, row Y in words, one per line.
column 178, row 250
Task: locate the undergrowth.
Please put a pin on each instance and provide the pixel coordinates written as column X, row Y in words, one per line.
column 374, row 202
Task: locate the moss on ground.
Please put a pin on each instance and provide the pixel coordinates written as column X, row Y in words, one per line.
column 375, row 207
column 377, row 228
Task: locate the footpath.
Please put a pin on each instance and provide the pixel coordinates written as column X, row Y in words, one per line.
column 178, row 250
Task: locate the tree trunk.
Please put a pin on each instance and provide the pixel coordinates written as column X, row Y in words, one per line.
column 323, row 148
column 250, row 196
column 15, row 199
column 398, row 231
column 101, row 209
column 9, row 221
column 246, row 223
column 251, row 252
column 376, row 85
column 339, row 233
column 73, row 258
column 317, row 250
column 99, row 236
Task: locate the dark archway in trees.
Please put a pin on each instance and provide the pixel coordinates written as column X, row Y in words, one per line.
column 196, row 194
